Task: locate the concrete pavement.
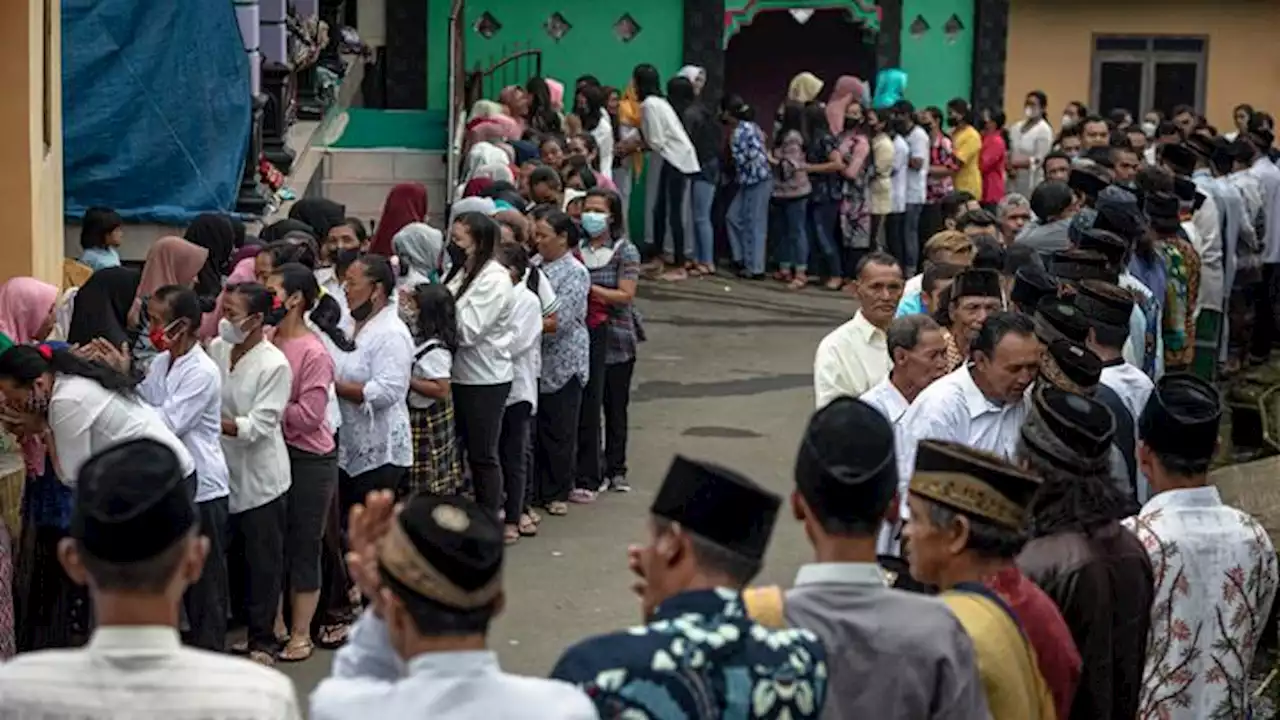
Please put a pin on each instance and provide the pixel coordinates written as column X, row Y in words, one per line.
column 726, row 375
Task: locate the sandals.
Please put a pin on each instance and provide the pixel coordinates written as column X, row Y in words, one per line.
column 835, row 284
column 527, row 526
column 296, row 652
column 332, row 637
column 242, row 647
column 263, row 658
column 534, row 516
column 510, row 534
column 558, row 508
column 798, row 283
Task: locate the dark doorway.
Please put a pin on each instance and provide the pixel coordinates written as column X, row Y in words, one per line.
column 764, row 56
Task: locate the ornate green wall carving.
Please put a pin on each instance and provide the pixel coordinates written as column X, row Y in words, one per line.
column 738, row 13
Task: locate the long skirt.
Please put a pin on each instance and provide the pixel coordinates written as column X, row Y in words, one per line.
column 50, row 610
column 437, row 468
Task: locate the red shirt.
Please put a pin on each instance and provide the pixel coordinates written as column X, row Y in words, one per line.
column 1045, row 629
column 992, row 161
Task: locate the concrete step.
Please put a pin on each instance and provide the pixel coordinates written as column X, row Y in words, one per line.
column 391, row 164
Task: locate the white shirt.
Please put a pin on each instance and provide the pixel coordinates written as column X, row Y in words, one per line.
column 546, row 293
column 1131, row 384
column 1216, row 578
column 603, row 135
column 369, row 679
column 1207, row 240
column 664, row 133
column 953, row 408
column 849, row 360
column 142, row 673
column 376, row 432
column 434, row 362
column 188, row 396
column 526, row 347
column 1268, row 176
column 484, row 327
column 254, row 395
column 898, row 181
column 885, row 397
column 919, row 146
column 87, row 418
column 1034, row 143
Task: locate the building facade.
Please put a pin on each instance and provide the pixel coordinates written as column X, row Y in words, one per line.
column 1142, row 55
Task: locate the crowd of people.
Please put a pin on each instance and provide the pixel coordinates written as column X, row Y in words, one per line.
column 330, row 437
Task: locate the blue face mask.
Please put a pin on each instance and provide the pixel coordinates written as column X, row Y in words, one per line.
column 595, row 223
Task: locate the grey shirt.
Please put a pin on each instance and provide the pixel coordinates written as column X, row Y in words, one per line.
column 1046, row 239
column 891, row 655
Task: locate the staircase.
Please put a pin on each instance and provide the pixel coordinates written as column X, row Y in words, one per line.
column 361, row 179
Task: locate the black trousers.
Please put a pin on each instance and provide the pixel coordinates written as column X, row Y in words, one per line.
column 205, row 602
column 1264, row 303
column 477, row 412
column 354, row 488
column 617, row 401
column 895, row 225
column 257, row 549
column 930, row 224
column 555, row 451
column 668, row 209
column 589, row 473
column 513, row 450
column 315, row 477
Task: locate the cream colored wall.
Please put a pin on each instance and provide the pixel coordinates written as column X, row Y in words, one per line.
column 1051, row 43
column 31, row 183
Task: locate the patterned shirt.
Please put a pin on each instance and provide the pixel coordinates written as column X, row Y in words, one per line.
column 940, row 153
column 700, row 658
column 750, row 159
column 827, row 187
column 566, row 352
column 1182, row 266
column 617, row 262
column 1215, row 580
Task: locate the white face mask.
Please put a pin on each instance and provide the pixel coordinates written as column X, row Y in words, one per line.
column 1067, row 121
column 1030, row 113
column 231, row 332
column 1149, row 129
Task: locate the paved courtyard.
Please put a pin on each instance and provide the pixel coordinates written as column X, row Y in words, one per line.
column 726, row 375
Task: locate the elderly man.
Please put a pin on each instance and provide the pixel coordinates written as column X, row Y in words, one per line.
column 1013, row 213
column 973, row 296
column 854, row 356
column 968, row 522
column 1095, row 570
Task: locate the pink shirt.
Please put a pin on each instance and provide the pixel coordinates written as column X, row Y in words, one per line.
column 992, row 160
column 306, row 426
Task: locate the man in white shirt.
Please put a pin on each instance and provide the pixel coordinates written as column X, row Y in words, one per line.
column 918, row 149
column 184, row 385
column 1268, row 177
column 433, row 576
column 855, row 356
column 896, row 223
column 135, row 542
column 918, row 354
column 982, row 403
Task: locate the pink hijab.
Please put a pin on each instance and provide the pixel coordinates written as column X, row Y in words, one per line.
column 25, row 303
column 556, row 89
column 848, row 90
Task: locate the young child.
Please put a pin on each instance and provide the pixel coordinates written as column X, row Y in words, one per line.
column 437, row 468
column 101, row 232
column 522, row 403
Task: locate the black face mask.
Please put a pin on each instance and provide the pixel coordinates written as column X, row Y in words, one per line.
column 852, row 123
column 361, row 312
column 953, row 121
column 457, row 256
column 275, row 316
column 928, row 127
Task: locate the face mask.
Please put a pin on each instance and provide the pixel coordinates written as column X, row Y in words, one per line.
column 953, row 121
column 457, row 256
column 595, row 223
column 852, row 123
column 158, row 339
column 1030, row 113
column 361, row 312
column 275, row 316
column 1067, row 121
column 231, row 332
column 1148, row 129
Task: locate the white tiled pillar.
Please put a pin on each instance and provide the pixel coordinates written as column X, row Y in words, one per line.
column 275, row 43
column 248, row 16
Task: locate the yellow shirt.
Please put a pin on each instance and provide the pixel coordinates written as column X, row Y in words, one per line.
column 967, row 146
column 1009, row 671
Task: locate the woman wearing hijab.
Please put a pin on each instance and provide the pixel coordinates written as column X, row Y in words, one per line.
column 278, row 229
column 216, row 234
column 848, row 90
column 26, row 315
column 420, row 248
column 804, row 88
column 320, row 213
column 102, row 307
column 695, row 75
column 406, row 203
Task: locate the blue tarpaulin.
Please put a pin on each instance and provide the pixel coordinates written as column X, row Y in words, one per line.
column 155, row 107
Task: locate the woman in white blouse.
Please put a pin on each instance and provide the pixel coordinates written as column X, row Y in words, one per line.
column 482, row 369
column 256, row 382
column 185, row 386
column 522, row 402
column 375, row 447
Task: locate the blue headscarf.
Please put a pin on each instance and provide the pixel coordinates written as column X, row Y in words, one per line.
column 891, row 86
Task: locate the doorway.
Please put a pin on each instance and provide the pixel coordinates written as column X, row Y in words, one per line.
column 763, row 57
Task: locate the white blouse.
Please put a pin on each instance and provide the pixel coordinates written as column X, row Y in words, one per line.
column 86, row 418
column 526, row 348
column 187, row 393
column 254, row 395
column 484, row 327
column 376, row 432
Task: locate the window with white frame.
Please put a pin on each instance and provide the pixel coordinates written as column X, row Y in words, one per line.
column 1140, row 74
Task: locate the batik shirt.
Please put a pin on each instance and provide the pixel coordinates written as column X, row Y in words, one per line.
column 566, row 352
column 700, row 658
column 750, row 159
column 1215, row 579
column 1182, row 268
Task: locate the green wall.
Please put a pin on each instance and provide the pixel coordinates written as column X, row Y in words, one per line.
column 591, row 46
column 939, row 67
column 412, row 129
